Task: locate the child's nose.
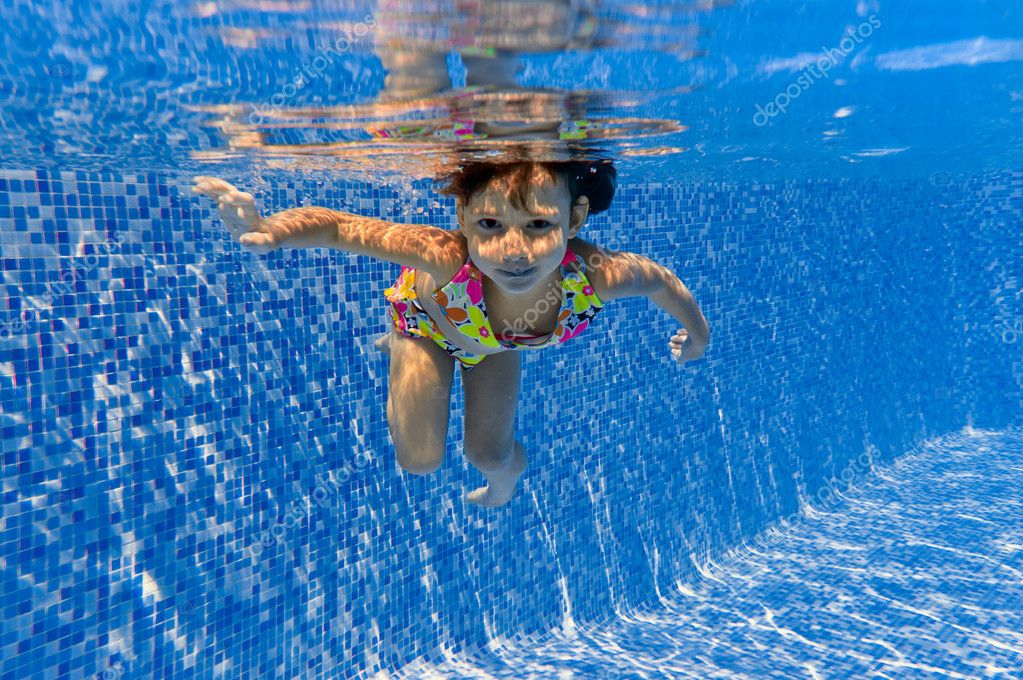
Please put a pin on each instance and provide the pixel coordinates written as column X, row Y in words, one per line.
column 514, row 248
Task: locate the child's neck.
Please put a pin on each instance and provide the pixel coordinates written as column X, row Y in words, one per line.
column 511, row 303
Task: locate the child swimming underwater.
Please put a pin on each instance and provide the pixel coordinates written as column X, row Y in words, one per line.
column 473, row 296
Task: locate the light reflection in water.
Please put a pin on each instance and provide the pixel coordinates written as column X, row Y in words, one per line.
column 423, row 121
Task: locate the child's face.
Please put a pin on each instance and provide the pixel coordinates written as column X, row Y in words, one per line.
column 504, row 239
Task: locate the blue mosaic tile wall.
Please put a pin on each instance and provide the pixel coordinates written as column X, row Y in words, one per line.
column 198, row 480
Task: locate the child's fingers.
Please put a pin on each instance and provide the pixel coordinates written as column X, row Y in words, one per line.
column 199, row 180
column 679, row 345
column 258, row 241
column 238, row 196
column 212, row 183
column 239, row 214
column 243, row 206
column 211, row 186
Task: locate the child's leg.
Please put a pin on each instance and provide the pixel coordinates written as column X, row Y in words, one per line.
column 413, row 73
column 418, row 401
column 497, row 71
column 491, row 396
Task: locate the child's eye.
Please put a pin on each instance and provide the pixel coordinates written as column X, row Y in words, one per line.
column 541, row 224
column 488, row 223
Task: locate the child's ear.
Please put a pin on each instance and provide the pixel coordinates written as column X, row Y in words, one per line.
column 579, row 212
column 460, row 212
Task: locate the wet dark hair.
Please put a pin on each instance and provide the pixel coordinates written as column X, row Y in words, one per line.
column 593, row 179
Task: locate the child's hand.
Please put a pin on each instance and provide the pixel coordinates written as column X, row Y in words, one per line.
column 682, row 347
column 239, row 214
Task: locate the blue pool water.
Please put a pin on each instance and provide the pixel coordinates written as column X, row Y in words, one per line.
column 198, row 479
column 913, row 572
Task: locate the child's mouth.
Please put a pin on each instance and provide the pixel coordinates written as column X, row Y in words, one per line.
column 511, row 275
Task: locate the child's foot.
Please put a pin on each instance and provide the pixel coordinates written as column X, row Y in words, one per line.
column 500, row 484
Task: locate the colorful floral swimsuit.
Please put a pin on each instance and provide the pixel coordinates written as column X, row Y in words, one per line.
column 462, row 302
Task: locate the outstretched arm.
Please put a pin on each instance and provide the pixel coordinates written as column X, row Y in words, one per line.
column 671, row 295
column 617, row 274
column 413, row 245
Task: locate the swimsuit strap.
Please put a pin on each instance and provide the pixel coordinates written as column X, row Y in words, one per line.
column 461, row 300
column 581, row 303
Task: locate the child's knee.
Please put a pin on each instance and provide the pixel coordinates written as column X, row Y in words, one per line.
column 488, row 456
column 419, row 466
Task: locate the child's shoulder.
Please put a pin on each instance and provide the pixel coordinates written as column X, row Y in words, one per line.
column 448, row 256
column 594, row 258
column 599, row 262
column 446, row 259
